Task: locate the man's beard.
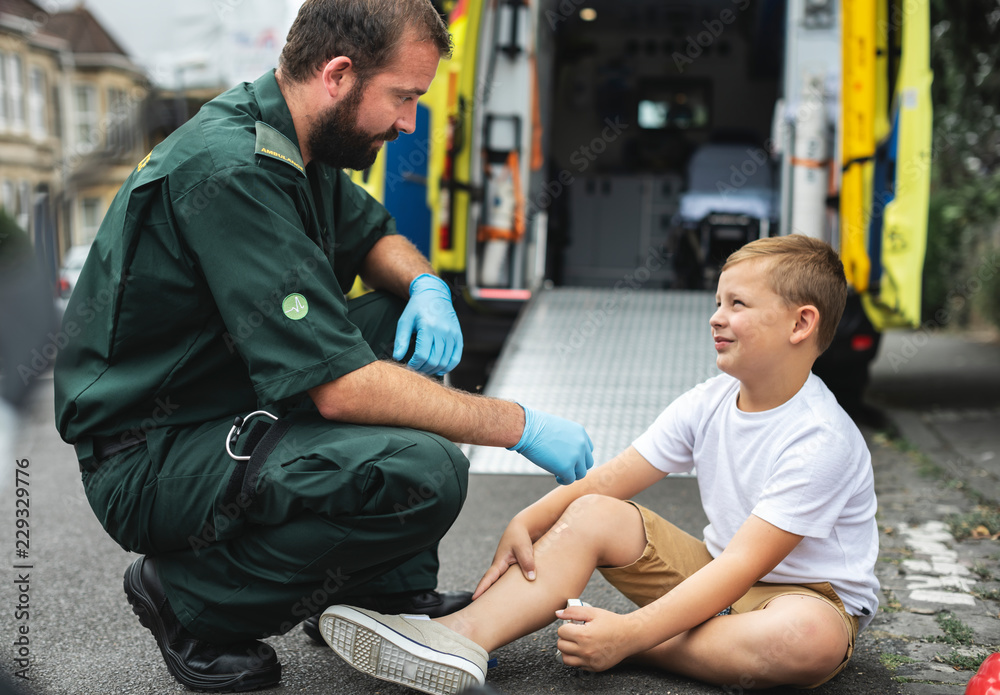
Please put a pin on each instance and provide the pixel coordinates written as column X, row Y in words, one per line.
column 337, row 140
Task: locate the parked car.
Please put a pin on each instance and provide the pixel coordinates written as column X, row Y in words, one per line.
column 69, row 272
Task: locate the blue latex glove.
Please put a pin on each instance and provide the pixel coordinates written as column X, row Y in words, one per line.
column 557, row 445
column 431, row 315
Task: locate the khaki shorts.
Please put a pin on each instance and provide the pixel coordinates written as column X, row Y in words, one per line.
column 671, row 556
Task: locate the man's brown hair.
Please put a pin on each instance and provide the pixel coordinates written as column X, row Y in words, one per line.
column 802, row 270
column 369, row 32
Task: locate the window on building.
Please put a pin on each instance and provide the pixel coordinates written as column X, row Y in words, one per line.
column 37, row 112
column 91, row 215
column 24, row 206
column 15, row 199
column 15, row 90
column 55, row 99
column 121, row 122
column 87, row 133
column 4, row 106
column 8, row 197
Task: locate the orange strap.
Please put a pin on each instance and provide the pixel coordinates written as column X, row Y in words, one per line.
column 809, row 163
column 537, row 156
column 516, row 232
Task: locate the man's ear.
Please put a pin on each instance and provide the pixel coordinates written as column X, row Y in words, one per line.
column 806, row 324
column 338, row 76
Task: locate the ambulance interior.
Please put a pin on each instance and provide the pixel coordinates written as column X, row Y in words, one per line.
column 650, row 102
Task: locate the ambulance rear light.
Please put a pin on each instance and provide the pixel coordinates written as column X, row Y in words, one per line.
column 862, row 342
column 501, row 294
column 444, row 237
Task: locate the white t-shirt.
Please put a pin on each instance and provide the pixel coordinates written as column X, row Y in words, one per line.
column 803, row 467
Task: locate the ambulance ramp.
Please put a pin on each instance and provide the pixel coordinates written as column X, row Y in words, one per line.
column 611, row 360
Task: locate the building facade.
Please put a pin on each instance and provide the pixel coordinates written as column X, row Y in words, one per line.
column 70, row 132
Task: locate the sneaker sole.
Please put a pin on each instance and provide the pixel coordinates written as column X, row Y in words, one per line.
column 149, row 618
column 380, row 651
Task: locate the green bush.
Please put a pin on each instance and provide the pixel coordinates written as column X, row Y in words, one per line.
column 943, row 261
column 961, row 283
column 961, row 279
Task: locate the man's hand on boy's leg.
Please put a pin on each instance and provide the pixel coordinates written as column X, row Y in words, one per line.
column 602, row 641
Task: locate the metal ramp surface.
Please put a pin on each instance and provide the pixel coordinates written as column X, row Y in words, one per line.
column 611, row 360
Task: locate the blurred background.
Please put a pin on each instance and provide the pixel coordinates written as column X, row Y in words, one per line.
column 87, row 88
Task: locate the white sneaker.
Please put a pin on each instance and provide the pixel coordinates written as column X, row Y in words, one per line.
column 410, row 650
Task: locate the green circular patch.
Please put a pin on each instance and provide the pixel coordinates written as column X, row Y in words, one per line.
column 295, row 307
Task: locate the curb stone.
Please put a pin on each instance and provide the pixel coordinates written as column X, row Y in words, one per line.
column 927, row 576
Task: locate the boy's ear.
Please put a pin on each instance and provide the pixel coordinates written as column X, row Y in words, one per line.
column 806, row 324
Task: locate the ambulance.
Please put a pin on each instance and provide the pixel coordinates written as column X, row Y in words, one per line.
column 596, row 155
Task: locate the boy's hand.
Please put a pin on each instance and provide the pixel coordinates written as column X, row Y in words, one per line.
column 597, row 645
column 515, row 547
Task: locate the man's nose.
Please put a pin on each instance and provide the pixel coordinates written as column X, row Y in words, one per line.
column 407, row 122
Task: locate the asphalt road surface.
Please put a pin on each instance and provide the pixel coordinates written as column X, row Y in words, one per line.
column 62, row 606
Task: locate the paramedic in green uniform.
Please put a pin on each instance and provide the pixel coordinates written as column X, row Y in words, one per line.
column 215, row 288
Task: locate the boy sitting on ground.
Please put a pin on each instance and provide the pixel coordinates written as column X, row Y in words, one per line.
column 777, row 591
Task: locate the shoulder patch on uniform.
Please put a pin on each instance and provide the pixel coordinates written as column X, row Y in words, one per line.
column 271, row 143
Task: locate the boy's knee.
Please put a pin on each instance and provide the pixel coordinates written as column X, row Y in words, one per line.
column 815, row 650
column 594, row 507
column 814, row 667
column 607, row 528
column 594, row 515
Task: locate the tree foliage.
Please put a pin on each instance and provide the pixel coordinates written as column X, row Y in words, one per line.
column 960, row 277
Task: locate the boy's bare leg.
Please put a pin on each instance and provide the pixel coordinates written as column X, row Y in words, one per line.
column 593, row 531
column 795, row 640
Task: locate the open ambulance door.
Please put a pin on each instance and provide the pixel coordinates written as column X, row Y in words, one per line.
column 885, row 160
column 887, row 155
column 505, row 234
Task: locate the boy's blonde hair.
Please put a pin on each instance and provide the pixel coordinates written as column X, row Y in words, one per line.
column 802, row 270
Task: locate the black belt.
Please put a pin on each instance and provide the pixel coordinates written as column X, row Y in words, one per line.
column 106, row 447
column 262, row 438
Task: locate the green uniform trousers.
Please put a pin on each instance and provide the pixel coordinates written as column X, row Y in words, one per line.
column 340, row 510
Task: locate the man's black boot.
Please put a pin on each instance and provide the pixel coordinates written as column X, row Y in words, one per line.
column 196, row 664
column 433, row 604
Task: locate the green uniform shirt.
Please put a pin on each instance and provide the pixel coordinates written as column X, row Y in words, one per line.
column 216, row 283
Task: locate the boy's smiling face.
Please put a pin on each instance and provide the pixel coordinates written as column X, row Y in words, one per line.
column 752, row 325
